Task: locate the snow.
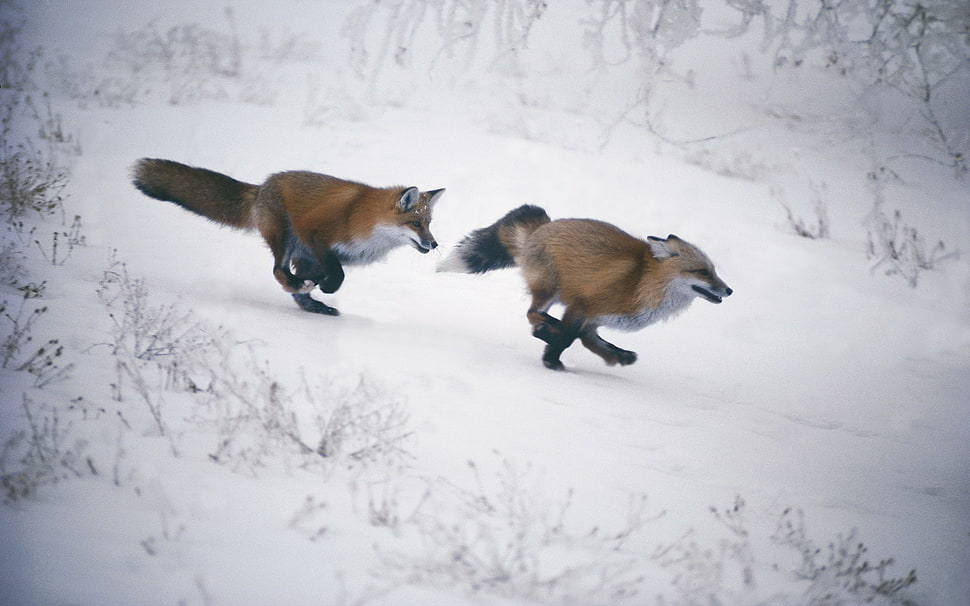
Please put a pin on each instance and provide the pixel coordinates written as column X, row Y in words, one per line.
column 820, row 386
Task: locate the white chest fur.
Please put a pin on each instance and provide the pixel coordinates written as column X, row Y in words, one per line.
column 381, row 240
column 677, row 298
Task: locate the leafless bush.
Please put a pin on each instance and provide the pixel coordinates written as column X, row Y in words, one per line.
column 154, row 345
column 704, row 572
column 44, row 364
column 900, row 249
column 254, row 415
column 185, row 63
column 193, row 60
column 917, row 50
column 63, row 243
column 816, row 228
column 17, row 333
column 32, row 179
column 382, row 33
column 896, row 247
column 724, row 572
column 844, row 569
column 251, row 412
column 12, row 263
column 509, row 540
column 364, row 423
column 164, row 353
column 144, row 331
column 17, row 62
column 41, row 454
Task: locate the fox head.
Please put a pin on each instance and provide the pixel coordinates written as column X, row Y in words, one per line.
column 690, row 268
column 413, row 217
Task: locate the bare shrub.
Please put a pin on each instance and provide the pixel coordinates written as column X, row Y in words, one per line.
column 193, row 60
column 164, row 353
column 915, row 50
column 383, row 34
column 900, row 249
column 143, row 331
column 17, row 62
column 843, row 569
column 507, row 539
column 364, row 423
column 896, row 247
column 254, row 415
column 18, row 329
column 41, row 454
column 818, row 227
column 63, row 243
column 32, row 179
column 185, row 63
column 251, row 412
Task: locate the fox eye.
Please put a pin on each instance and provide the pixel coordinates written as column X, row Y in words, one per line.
column 704, row 273
column 416, row 224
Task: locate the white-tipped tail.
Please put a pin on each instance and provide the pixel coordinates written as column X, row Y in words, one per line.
column 454, row 262
column 495, row 246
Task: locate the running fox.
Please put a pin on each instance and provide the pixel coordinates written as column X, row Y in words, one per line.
column 313, row 223
column 602, row 275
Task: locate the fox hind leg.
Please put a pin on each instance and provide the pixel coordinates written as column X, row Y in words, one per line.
column 566, row 332
column 544, row 327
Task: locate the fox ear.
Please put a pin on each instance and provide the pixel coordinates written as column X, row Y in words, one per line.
column 661, row 248
column 409, row 197
column 433, row 195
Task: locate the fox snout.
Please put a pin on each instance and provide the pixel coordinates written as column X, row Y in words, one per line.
column 424, row 245
column 714, row 293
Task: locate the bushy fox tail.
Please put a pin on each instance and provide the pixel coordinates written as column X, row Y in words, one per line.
column 495, row 246
column 213, row 195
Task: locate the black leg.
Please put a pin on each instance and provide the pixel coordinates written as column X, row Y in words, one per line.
column 333, row 274
column 568, row 331
column 308, row 303
column 610, row 353
column 547, row 329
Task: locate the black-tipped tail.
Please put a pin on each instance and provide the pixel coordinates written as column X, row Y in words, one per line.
column 495, row 246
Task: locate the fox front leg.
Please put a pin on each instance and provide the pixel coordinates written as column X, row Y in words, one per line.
column 610, row 353
column 308, row 303
column 332, row 275
column 326, row 273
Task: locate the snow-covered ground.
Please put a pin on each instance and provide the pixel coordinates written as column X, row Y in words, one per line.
column 744, row 459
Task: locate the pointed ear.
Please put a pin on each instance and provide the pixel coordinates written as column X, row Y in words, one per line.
column 409, row 197
column 661, row 248
column 433, row 195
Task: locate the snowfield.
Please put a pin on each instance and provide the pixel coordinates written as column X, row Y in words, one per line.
column 201, row 440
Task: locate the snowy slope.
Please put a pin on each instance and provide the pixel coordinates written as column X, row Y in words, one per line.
column 821, row 388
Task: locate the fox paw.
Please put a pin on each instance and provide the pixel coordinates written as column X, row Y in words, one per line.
column 308, row 303
column 625, row 358
column 553, row 364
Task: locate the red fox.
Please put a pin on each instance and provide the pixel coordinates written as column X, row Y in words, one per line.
column 602, row 275
column 313, row 223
